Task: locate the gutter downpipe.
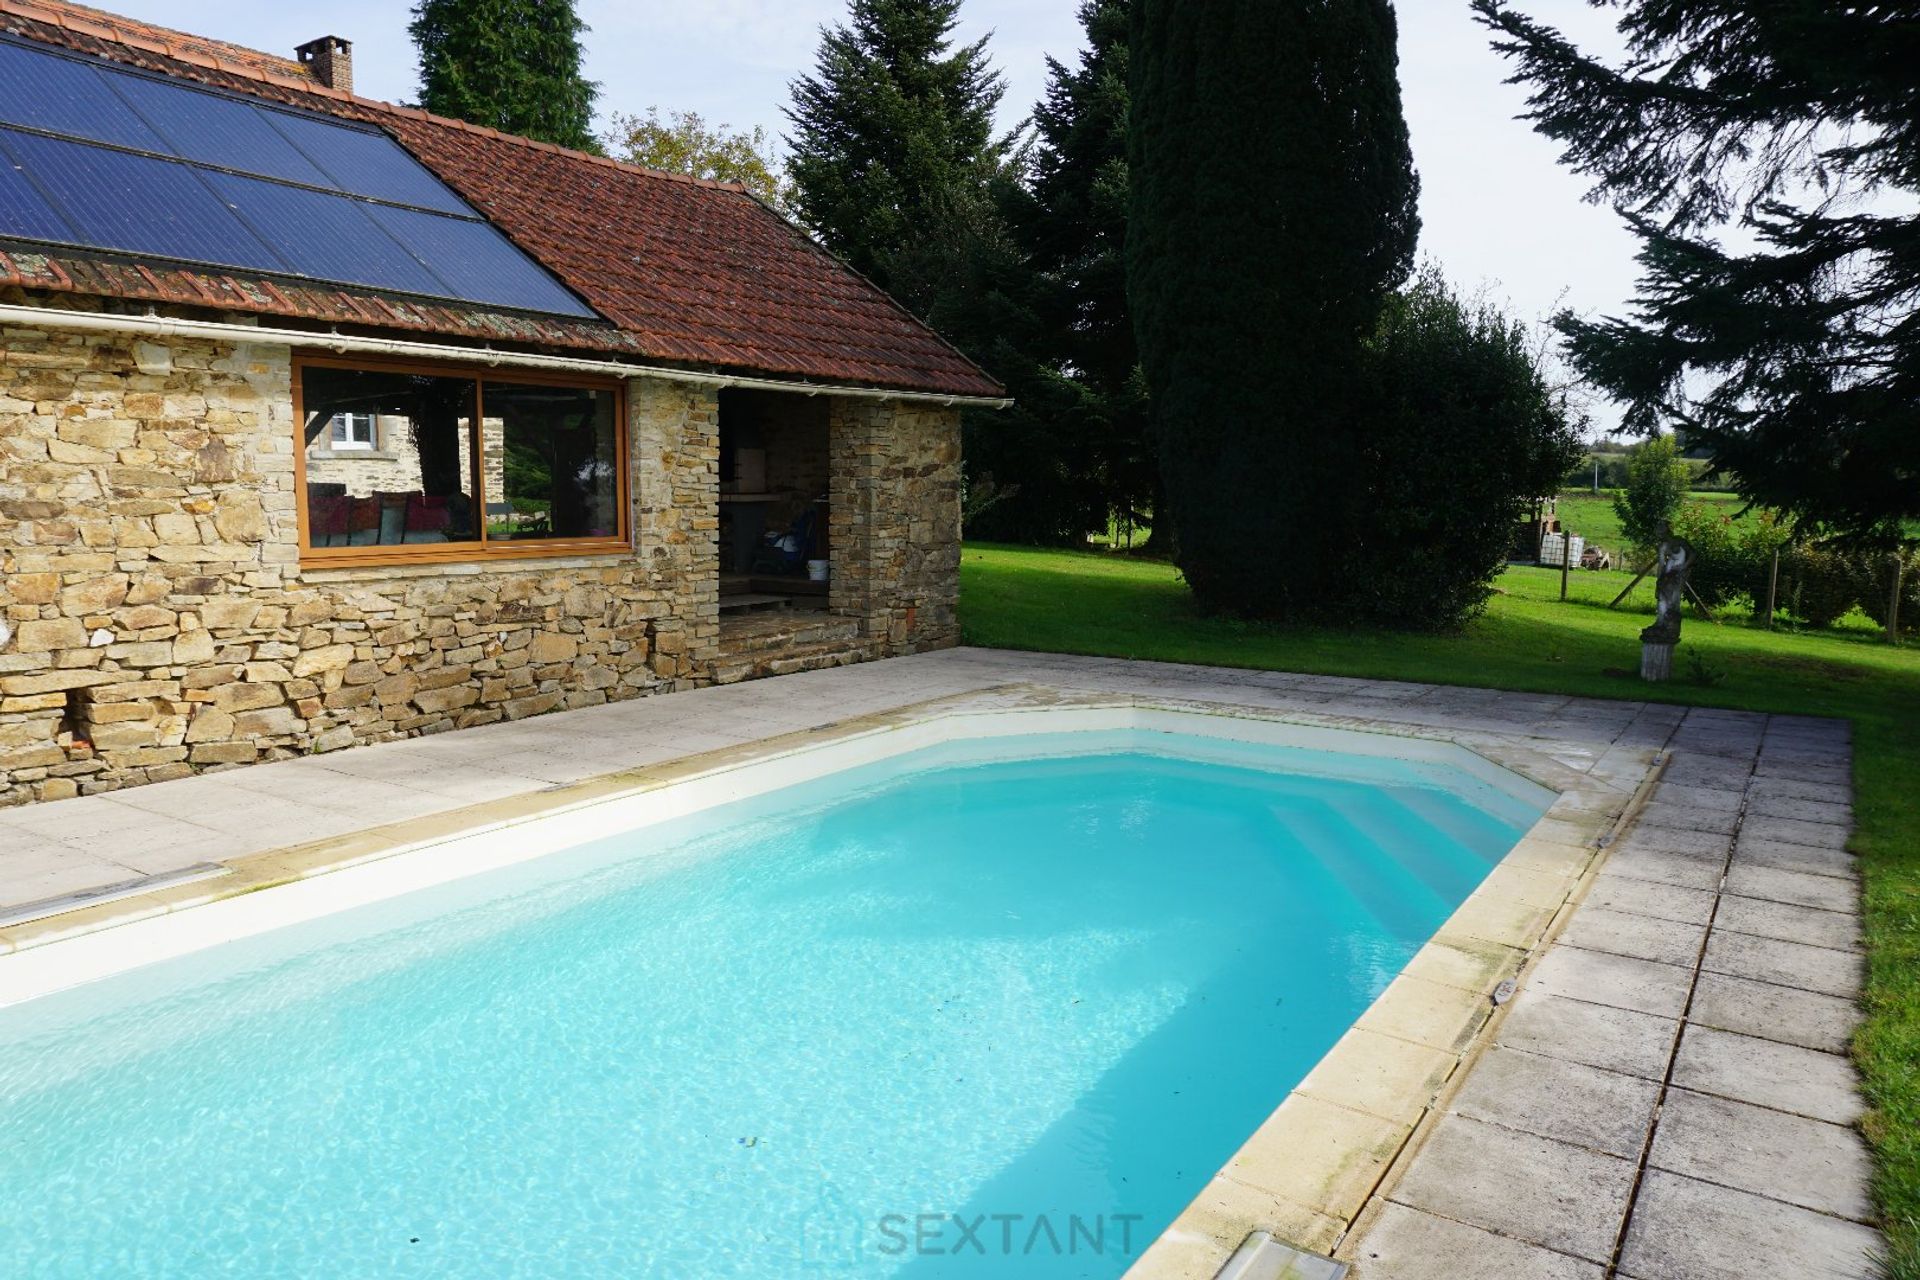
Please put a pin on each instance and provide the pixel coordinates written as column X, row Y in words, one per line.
column 217, row 331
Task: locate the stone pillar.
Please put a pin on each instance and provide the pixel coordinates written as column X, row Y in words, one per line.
column 675, row 443
column 895, row 522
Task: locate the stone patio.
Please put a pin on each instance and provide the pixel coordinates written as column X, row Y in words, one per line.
column 1667, row 1098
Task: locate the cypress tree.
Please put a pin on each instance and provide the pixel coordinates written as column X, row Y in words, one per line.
column 1273, row 211
column 1789, row 348
column 512, row 65
column 892, row 137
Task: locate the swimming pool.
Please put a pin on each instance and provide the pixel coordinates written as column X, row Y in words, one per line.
column 993, row 1007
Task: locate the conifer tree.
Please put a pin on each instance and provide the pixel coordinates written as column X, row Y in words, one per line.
column 893, row 139
column 512, row 65
column 1273, row 208
column 1767, row 156
column 1085, row 457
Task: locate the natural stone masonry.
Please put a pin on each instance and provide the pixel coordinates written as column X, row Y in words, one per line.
column 894, row 521
column 157, row 621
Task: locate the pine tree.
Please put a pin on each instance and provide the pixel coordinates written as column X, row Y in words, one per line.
column 1085, row 458
column 1273, row 208
column 893, row 135
column 1795, row 357
column 512, row 65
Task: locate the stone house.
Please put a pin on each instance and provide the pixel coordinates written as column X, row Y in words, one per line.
column 249, row 323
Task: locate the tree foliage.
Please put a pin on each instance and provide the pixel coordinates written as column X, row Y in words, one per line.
column 683, row 142
column 1087, row 459
column 512, row 65
column 1657, row 482
column 1272, row 199
column 1767, row 156
column 893, row 135
column 1463, row 432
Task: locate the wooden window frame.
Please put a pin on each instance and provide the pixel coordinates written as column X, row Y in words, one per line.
column 427, row 553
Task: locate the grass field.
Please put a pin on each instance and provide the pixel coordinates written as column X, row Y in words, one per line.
column 1090, row 602
column 1592, row 516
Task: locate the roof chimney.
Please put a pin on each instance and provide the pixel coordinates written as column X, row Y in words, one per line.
column 330, row 61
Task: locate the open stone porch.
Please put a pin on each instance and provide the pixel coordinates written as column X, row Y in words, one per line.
column 1667, row 1098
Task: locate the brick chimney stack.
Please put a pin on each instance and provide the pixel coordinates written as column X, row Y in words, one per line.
column 330, row 61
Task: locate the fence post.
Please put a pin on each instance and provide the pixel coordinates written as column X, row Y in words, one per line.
column 1566, row 561
column 1893, row 601
column 1773, row 587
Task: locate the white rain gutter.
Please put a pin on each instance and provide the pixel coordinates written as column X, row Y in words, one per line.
column 217, row 331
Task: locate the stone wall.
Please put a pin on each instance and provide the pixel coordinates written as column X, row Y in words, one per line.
column 155, row 620
column 895, row 522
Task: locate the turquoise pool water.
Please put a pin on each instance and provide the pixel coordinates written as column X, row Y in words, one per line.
column 952, row 1015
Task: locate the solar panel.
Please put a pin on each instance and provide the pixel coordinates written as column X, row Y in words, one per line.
column 22, row 212
column 215, row 130
column 118, row 200
column 368, row 164
column 111, row 158
column 64, row 96
column 475, row 259
column 325, row 236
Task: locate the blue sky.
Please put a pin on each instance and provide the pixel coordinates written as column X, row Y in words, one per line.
column 1498, row 211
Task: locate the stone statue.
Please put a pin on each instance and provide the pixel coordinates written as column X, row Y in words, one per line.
column 1672, row 564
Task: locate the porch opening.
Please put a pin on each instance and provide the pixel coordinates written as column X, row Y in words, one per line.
column 774, row 472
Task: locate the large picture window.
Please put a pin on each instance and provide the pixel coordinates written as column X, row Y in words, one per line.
column 418, row 463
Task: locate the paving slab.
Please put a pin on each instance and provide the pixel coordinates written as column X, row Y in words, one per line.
column 1797, row 888
column 1685, row 1229
column 1593, row 1035
column 1406, row 1244
column 1696, row 796
column 1833, row 775
column 1770, row 1012
column 1833, row 929
column 1552, row 1098
column 1821, row 835
column 1711, row 844
column 1664, row 814
column 1839, row 793
column 1790, row 964
column 1688, row 870
column 1643, row 937
column 1802, row 808
column 1794, row 857
column 1783, row 1157
column 1649, row 898
column 1621, row 981
column 1767, row 1073
column 1532, row 1189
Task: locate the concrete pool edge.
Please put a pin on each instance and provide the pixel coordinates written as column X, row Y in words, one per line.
column 1307, row 1173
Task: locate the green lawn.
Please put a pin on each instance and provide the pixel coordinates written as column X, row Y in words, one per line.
column 1070, row 602
column 1591, row 515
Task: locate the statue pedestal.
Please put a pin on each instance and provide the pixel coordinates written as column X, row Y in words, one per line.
column 1656, row 661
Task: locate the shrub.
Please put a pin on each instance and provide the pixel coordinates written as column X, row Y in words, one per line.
column 1876, row 586
column 1820, row 583
column 1462, row 432
column 1657, row 481
column 1735, row 553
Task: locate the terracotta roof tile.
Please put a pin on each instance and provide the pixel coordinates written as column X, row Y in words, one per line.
column 687, row 271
